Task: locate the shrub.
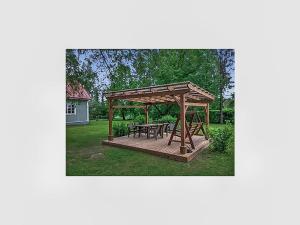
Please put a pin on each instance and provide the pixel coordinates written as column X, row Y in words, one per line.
column 117, row 117
column 229, row 115
column 214, row 115
column 97, row 110
column 140, row 119
column 230, row 144
column 222, row 138
column 119, row 129
column 167, row 119
column 129, row 117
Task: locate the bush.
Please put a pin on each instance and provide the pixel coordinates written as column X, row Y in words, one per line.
column 229, row 115
column 167, row 119
column 119, row 129
column 222, row 138
column 140, row 119
column 214, row 115
column 230, row 144
column 97, row 110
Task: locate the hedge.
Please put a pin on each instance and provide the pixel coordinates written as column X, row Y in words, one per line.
column 214, row 115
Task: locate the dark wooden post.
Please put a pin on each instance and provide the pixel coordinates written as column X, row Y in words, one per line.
column 183, row 148
column 110, row 118
column 146, row 114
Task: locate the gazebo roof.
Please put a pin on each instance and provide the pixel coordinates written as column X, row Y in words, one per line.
column 166, row 93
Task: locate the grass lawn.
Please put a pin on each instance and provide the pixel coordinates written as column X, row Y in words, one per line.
column 83, row 141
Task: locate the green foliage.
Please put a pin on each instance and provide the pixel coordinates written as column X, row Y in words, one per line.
column 227, row 113
column 230, row 144
column 229, row 103
column 94, row 110
column 167, row 119
column 222, row 138
column 140, row 119
column 147, row 67
column 214, row 115
column 135, row 68
column 80, row 72
column 119, row 129
column 97, row 110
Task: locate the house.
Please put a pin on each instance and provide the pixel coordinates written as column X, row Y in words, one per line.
column 77, row 105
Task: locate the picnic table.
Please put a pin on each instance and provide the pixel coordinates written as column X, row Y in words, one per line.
column 155, row 127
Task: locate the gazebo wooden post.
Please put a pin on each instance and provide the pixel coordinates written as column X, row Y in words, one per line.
column 110, row 118
column 183, row 148
column 146, row 114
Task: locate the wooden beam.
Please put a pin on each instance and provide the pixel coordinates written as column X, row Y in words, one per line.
column 149, row 102
column 140, row 95
column 196, row 104
column 163, row 86
column 146, row 114
column 194, row 97
column 188, row 134
column 183, row 149
column 110, row 118
column 174, row 131
column 201, row 91
column 176, row 99
column 161, row 98
column 195, row 93
column 197, row 97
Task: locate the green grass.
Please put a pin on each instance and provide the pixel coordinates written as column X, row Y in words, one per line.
column 83, row 141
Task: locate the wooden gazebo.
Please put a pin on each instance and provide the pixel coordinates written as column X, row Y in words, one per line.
column 184, row 94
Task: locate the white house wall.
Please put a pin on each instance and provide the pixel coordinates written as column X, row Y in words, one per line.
column 81, row 116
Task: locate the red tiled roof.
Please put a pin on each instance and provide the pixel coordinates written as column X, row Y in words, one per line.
column 77, row 93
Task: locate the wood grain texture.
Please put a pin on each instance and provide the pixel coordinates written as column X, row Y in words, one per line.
column 160, row 146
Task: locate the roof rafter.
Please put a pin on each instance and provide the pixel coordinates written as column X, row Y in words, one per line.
column 163, row 94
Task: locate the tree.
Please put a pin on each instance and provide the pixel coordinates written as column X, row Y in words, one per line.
column 73, row 72
column 154, row 67
column 80, row 71
column 177, row 65
column 103, row 70
column 226, row 67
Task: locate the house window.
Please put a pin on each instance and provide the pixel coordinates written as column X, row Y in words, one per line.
column 70, row 109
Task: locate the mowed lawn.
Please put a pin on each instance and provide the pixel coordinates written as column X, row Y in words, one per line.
column 83, row 141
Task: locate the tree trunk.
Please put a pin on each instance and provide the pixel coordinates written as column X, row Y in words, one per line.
column 221, row 118
column 123, row 115
column 102, row 97
column 110, row 118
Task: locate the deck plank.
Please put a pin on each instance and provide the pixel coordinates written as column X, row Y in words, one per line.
column 160, row 146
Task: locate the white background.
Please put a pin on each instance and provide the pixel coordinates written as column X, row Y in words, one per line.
column 33, row 39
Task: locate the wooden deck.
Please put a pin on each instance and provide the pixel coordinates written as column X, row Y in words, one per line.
column 160, row 146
